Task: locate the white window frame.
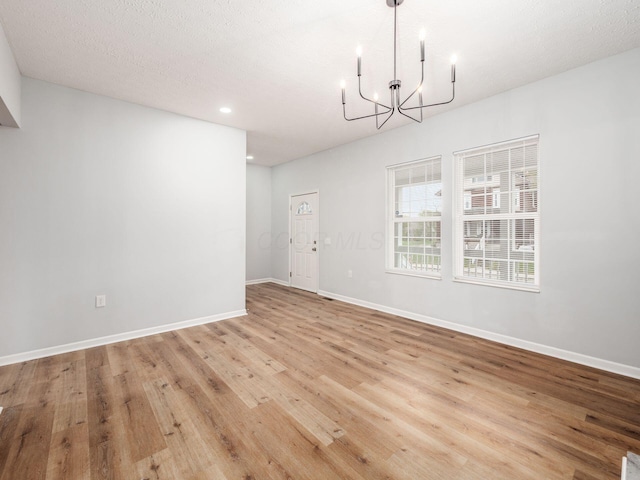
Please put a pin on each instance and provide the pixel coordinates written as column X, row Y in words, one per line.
column 392, row 220
column 462, row 214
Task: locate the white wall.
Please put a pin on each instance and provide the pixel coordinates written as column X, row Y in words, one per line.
column 9, row 85
column 99, row 196
column 589, row 125
column 258, row 222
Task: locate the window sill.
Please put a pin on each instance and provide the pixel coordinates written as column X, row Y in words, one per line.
column 410, row 273
column 522, row 288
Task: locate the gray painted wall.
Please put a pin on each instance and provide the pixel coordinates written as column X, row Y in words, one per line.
column 99, row 196
column 258, row 222
column 589, row 125
column 9, row 85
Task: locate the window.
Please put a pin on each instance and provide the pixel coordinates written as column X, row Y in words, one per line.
column 304, row 209
column 497, row 221
column 415, row 208
column 495, row 199
column 467, row 200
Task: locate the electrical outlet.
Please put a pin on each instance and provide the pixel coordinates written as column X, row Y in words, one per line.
column 349, row 273
column 101, row 301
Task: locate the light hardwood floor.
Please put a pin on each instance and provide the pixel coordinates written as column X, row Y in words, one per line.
column 305, row 387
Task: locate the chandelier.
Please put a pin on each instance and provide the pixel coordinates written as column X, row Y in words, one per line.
column 382, row 110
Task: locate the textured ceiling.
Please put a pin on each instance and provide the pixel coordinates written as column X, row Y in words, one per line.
column 278, row 64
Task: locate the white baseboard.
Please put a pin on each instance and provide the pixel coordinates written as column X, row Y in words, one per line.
column 257, row 281
column 619, row 368
column 120, row 337
column 267, row 280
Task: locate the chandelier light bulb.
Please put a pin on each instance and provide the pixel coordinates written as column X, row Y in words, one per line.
column 359, row 51
column 454, row 59
column 343, row 84
column 375, row 97
column 423, row 35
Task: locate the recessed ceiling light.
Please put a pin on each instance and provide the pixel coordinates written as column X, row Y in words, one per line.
column 249, row 157
column 225, row 110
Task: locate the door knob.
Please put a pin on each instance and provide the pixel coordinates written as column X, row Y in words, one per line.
column 314, row 249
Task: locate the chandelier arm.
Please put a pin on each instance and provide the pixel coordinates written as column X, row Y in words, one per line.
column 417, row 88
column 344, row 111
column 453, row 96
column 368, row 99
column 410, row 95
column 409, row 116
column 385, row 120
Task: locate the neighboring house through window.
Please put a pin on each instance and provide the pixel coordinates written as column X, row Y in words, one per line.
column 414, row 212
column 497, row 221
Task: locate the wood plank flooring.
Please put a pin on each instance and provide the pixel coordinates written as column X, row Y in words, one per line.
column 308, row 388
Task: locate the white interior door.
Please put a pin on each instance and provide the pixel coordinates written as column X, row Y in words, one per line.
column 304, row 241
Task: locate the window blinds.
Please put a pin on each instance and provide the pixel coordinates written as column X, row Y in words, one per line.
column 497, row 223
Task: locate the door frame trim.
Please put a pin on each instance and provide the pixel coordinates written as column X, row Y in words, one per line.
column 291, row 195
